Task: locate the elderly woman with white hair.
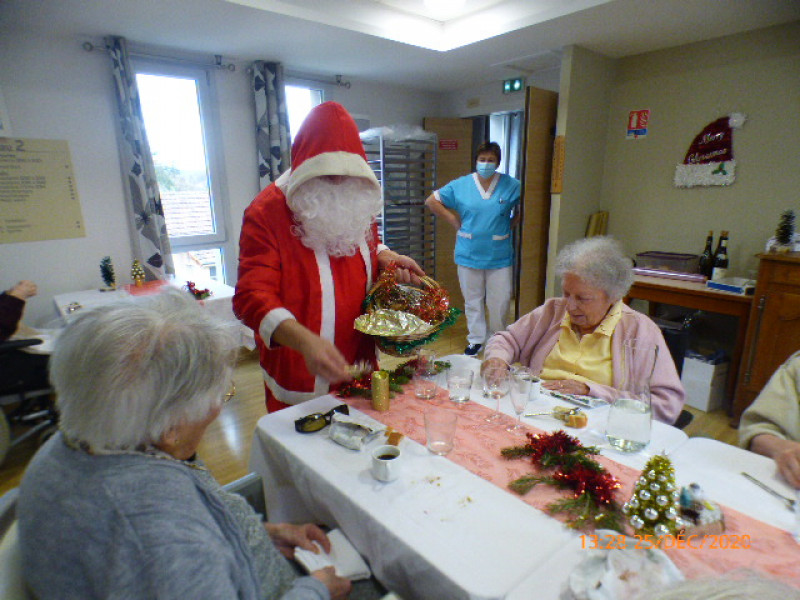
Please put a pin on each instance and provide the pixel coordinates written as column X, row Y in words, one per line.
column 576, row 342
column 117, row 505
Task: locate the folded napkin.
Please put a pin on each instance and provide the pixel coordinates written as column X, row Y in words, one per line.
column 343, row 557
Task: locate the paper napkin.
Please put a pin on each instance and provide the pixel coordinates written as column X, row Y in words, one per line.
column 343, row 557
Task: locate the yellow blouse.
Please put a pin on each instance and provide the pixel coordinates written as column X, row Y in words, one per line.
column 584, row 358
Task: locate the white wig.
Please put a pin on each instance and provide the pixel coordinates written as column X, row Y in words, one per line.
column 127, row 372
column 600, row 262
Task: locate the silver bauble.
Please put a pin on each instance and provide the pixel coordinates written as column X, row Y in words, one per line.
column 662, row 500
column 636, row 522
column 644, row 495
column 650, row 513
column 661, row 530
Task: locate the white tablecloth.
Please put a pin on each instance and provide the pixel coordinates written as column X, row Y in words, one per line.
column 437, row 532
column 220, row 303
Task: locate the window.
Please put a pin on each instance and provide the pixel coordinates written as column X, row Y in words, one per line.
column 299, row 102
column 177, row 104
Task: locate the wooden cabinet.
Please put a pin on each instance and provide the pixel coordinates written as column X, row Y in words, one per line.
column 773, row 333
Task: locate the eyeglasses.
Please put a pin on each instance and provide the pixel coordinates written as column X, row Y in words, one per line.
column 316, row 421
column 227, row 397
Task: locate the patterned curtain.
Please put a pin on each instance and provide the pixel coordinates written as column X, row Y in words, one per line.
column 150, row 240
column 272, row 121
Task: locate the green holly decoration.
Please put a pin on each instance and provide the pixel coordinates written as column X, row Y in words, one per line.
column 137, row 272
column 784, row 234
column 107, row 272
column 653, row 507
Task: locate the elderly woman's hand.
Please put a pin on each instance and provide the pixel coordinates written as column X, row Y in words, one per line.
column 492, row 364
column 287, row 536
column 338, row 587
column 567, row 386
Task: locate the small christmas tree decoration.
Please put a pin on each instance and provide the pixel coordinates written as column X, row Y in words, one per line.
column 107, row 273
column 653, row 507
column 137, row 273
column 784, row 234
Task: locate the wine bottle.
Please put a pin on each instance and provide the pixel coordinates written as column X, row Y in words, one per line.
column 706, row 263
column 721, row 258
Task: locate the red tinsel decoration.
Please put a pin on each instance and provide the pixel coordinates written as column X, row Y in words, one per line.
column 197, row 293
column 558, row 442
column 580, row 479
column 432, row 305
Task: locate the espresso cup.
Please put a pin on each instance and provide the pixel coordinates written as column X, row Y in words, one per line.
column 386, row 463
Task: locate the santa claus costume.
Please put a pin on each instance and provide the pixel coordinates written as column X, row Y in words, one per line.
column 280, row 278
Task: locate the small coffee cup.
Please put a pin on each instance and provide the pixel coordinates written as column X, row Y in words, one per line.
column 386, row 463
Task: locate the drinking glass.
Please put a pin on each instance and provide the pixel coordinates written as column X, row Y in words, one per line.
column 520, row 387
column 425, row 374
column 459, row 383
column 630, row 416
column 440, row 431
column 530, row 375
column 496, row 384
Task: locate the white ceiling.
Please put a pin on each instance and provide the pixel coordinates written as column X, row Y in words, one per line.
column 309, row 37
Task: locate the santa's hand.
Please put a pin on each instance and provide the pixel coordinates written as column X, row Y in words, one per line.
column 324, row 359
column 408, row 271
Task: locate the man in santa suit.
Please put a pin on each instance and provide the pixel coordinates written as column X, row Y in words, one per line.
column 308, row 254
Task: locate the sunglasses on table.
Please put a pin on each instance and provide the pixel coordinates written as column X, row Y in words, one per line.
column 316, row 421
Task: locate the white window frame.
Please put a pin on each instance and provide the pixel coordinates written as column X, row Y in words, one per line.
column 212, row 139
column 298, row 81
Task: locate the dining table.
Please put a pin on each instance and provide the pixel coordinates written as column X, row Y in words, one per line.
column 449, row 526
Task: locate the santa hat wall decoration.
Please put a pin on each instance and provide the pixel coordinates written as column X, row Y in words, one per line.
column 709, row 160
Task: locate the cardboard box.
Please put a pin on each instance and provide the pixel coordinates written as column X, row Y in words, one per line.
column 704, row 384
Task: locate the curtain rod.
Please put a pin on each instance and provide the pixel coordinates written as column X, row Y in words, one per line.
column 338, row 80
column 217, row 64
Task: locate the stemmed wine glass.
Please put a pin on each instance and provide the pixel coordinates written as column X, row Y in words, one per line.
column 520, row 386
column 496, row 384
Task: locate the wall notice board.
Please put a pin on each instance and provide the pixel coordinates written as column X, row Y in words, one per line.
column 38, row 195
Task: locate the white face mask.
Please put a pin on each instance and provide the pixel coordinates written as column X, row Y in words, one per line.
column 485, row 169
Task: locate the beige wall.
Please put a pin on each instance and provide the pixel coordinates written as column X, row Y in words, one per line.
column 584, row 95
column 756, row 73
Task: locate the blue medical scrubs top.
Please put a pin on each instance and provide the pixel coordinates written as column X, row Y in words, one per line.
column 484, row 240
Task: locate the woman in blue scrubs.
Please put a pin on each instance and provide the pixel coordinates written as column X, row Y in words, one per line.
column 480, row 207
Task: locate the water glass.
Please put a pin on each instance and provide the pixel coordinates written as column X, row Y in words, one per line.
column 424, row 383
column 536, row 383
column 459, row 383
column 496, row 383
column 520, row 388
column 629, row 424
column 440, row 431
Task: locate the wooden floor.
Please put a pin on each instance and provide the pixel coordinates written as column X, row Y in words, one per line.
column 226, row 445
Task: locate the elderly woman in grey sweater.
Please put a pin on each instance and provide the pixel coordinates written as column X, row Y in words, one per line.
column 116, row 505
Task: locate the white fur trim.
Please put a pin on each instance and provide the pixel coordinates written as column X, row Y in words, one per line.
column 284, row 395
column 736, row 120
column 327, row 329
column 331, row 163
column 701, row 174
column 283, row 180
column 381, row 248
column 270, row 323
column 367, row 262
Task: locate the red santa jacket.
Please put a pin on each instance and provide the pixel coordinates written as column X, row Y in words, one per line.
column 280, row 278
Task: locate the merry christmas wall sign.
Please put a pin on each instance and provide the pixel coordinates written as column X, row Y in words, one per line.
column 709, row 160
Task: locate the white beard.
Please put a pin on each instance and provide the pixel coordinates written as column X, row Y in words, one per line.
column 334, row 218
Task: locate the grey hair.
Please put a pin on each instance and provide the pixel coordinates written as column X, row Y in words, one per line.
column 126, row 372
column 742, row 585
column 600, row 262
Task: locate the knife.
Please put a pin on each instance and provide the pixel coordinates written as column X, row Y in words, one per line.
column 789, row 502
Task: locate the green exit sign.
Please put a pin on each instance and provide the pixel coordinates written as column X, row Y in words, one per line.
column 513, row 85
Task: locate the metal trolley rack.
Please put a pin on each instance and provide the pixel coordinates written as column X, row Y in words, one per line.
column 406, row 169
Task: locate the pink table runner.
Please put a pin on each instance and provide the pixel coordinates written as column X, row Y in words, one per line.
column 477, row 448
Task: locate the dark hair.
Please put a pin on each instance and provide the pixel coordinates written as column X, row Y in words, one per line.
column 492, row 147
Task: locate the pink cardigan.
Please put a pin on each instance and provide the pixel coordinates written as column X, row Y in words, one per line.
column 530, row 340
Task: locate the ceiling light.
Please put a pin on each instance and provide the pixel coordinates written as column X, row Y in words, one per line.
column 444, row 8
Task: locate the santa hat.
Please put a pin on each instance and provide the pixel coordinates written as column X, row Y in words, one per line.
column 327, row 143
column 709, row 160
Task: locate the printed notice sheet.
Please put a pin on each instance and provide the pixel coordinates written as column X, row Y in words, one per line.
column 38, row 195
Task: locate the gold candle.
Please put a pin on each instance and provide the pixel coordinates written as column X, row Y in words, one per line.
column 380, row 390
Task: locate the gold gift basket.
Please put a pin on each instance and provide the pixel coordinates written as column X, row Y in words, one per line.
column 403, row 317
